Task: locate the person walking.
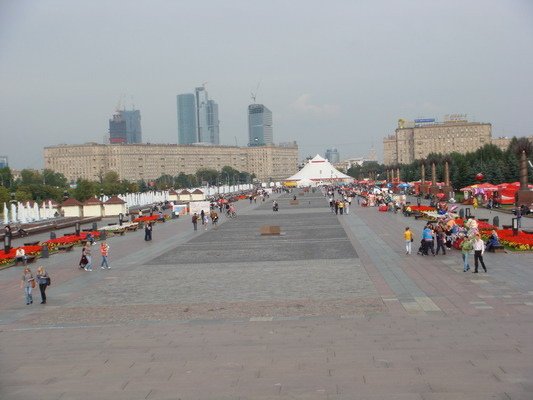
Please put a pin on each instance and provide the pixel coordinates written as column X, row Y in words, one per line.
column 104, row 251
column 43, row 279
column 27, row 283
column 195, row 221
column 427, row 238
column 408, row 236
column 466, row 248
column 202, row 217
column 214, row 219
column 441, row 240
column 205, row 221
column 88, row 257
column 479, row 249
column 148, row 231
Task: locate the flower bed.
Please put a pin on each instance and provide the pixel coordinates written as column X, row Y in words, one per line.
column 148, row 218
column 10, row 257
column 522, row 241
column 53, row 244
column 422, row 208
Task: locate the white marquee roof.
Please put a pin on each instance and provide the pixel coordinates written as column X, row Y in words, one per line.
column 318, row 170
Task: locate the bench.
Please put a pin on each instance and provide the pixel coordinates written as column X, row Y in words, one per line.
column 32, row 243
column 66, row 247
column 294, row 202
column 119, row 231
column 29, row 260
column 483, row 219
column 506, row 226
column 497, row 249
column 418, row 215
column 132, row 228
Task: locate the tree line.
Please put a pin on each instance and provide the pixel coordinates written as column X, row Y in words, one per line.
column 38, row 186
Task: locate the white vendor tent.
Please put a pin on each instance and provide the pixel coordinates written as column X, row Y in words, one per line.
column 317, row 171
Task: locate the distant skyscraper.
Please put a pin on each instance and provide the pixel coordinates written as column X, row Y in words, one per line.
column 187, row 130
column 332, row 155
column 213, row 122
column 259, row 125
column 197, row 118
column 3, row 162
column 125, row 127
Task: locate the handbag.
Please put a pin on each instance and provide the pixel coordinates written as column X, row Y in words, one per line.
column 48, row 281
column 33, row 283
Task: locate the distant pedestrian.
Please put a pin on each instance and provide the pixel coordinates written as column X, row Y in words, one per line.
column 148, row 231
column 441, row 240
column 202, row 216
column 27, row 283
column 43, row 279
column 427, row 238
column 479, row 249
column 214, row 219
column 408, row 236
column 206, row 221
column 88, row 257
column 195, row 221
column 104, row 252
column 518, row 217
column 466, row 248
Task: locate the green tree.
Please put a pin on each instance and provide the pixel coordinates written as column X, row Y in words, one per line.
column 181, row 181
column 4, row 196
column 6, row 177
column 29, row 176
column 85, row 189
column 207, row 175
column 23, row 195
column 164, row 182
column 56, row 179
column 111, row 184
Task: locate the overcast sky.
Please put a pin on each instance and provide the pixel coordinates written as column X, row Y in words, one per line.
column 335, row 73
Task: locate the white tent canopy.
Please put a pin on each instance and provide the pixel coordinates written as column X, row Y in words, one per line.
column 318, row 171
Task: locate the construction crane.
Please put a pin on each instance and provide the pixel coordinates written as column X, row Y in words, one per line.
column 254, row 94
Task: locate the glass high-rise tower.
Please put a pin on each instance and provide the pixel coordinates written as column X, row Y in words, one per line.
column 259, row 125
column 197, row 118
column 187, row 131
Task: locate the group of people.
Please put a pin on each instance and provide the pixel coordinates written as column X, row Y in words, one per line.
column 86, row 261
column 442, row 235
column 28, row 282
column 204, row 219
column 435, row 234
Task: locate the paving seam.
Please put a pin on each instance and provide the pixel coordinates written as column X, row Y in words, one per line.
column 409, row 294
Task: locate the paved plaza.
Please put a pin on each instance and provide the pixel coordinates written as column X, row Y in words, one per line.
column 330, row 309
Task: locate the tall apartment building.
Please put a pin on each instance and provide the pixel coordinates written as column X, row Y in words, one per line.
column 149, row 161
column 260, row 132
column 125, row 127
column 332, row 155
column 197, row 118
column 416, row 140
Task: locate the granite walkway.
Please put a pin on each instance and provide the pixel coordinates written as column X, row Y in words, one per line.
column 330, row 309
